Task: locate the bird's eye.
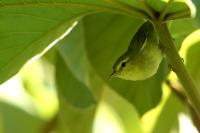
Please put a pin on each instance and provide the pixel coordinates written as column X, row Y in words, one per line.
column 123, row 64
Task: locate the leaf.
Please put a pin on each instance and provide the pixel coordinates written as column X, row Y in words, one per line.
column 180, row 29
column 39, row 23
column 168, row 115
column 34, row 29
column 15, row 119
column 175, row 6
column 106, row 41
column 190, row 52
column 76, row 64
column 116, row 109
column 197, row 4
column 73, row 120
column 74, row 91
column 1, row 123
column 28, row 27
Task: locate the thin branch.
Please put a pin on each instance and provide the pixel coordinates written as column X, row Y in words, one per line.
column 51, row 125
column 184, row 99
column 177, row 90
column 177, row 64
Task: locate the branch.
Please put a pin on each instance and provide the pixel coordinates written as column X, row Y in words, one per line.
column 50, row 125
column 177, row 65
column 184, row 99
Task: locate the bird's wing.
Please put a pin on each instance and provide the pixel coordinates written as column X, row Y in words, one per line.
column 140, row 37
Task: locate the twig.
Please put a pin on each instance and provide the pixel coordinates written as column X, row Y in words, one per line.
column 184, row 99
column 50, row 125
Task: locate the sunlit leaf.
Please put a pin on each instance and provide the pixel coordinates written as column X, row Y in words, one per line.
column 168, row 116
column 190, row 52
column 117, row 114
column 27, row 27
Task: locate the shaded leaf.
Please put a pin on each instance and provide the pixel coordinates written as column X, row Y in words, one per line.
column 74, row 91
column 74, row 57
column 15, row 119
column 197, row 4
column 72, row 120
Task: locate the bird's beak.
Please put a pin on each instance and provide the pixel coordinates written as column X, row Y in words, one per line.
column 112, row 75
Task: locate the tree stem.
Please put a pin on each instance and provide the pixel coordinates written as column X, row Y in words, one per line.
column 177, row 65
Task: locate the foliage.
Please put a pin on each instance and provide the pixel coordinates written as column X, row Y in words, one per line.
column 68, row 87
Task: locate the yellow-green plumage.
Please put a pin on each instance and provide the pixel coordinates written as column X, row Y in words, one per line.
column 142, row 58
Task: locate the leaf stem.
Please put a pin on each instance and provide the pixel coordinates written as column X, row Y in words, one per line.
column 128, row 8
column 178, row 15
column 178, row 91
column 177, row 65
column 164, row 11
column 148, row 10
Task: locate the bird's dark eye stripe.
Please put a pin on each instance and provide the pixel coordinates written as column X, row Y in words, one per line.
column 123, row 64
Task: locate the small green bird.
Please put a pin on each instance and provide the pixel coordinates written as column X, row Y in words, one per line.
column 142, row 58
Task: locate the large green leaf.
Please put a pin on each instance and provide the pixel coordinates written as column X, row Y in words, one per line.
column 27, row 27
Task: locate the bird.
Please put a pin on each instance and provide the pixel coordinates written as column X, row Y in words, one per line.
column 142, row 59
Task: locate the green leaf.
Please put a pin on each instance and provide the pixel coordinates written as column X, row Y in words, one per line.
column 73, row 120
column 106, row 40
column 39, row 23
column 175, row 6
column 115, row 109
column 197, row 4
column 169, row 114
column 27, row 27
column 74, row 91
column 15, row 119
column 34, row 28
column 190, row 52
column 1, row 123
column 180, row 29
column 76, row 64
